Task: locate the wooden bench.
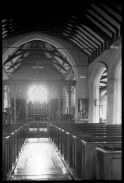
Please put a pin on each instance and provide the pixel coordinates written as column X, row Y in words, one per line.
column 86, row 151
column 72, row 154
column 59, row 133
column 69, row 147
column 108, row 163
column 87, row 132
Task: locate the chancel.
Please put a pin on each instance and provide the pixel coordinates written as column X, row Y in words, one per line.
column 61, row 92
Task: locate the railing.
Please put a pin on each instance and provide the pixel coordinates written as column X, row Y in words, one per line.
column 11, row 147
column 37, row 126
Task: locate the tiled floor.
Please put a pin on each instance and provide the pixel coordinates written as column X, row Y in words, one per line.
column 39, row 160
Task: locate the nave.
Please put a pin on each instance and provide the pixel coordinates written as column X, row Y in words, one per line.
column 64, row 151
column 39, row 160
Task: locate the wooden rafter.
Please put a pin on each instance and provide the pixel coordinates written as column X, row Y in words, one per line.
column 63, row 59
column 54, row 68
column 68, row 72
column 94, row 29
column 59, row 65
column 16, row 63
column 88, row 40
column 15, row 55
column 104, row 82
column 103, row 77
column 18, row 68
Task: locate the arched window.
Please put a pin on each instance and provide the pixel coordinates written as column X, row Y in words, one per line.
column 103, row 97
column 37, row 99
column 37, row 93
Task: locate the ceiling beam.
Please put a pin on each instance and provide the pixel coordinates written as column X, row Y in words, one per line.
column 114, row 13
column 106, row 16
column 68, row 72
column 93, row 33
column 103, row 77
column 103, row 28
column 26, row 82
column 59, row 65
column 81, row 47
column 16, row 63
column 18, row 68
column 62, row 58
column 10, row 57
column 108, row 25
column 84, row 46
column 90, row 35
column 88, row 40
column 104, row 82
column 54, row 68
column 12, row 65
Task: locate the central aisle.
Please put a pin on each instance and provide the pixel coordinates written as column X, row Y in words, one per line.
column 40, row 160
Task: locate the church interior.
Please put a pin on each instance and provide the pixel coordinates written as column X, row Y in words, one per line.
column 61, row 92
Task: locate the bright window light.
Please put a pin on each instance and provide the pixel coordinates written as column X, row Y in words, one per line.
column 5, row 98
column 37, row 93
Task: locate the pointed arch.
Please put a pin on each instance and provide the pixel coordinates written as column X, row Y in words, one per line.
column 43, row 37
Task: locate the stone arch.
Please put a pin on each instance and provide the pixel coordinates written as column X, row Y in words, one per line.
column 43, row 37
column 93, row 84
column 58, row 43
column 114, row 93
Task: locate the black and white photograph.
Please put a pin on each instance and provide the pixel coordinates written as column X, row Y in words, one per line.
column 62, row 91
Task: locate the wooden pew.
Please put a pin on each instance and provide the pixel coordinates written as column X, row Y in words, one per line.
column 98, row 130
column 86, row 131
column 72, row 148
column 58, row 136
column 108, row 163
column 88, row 161
column 69, row 148
column 61, row 135
column 75, row 151
column 81, row 133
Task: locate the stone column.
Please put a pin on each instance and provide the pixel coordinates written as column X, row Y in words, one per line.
column 60, row 101
column 64, row 98
column 111, row 101
column 26, row 108
column 3, row 114
column 10, row 104
column 60, row 98
column 15, row 105
column 49, row 102
column 3, row 93
column 69, row 99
